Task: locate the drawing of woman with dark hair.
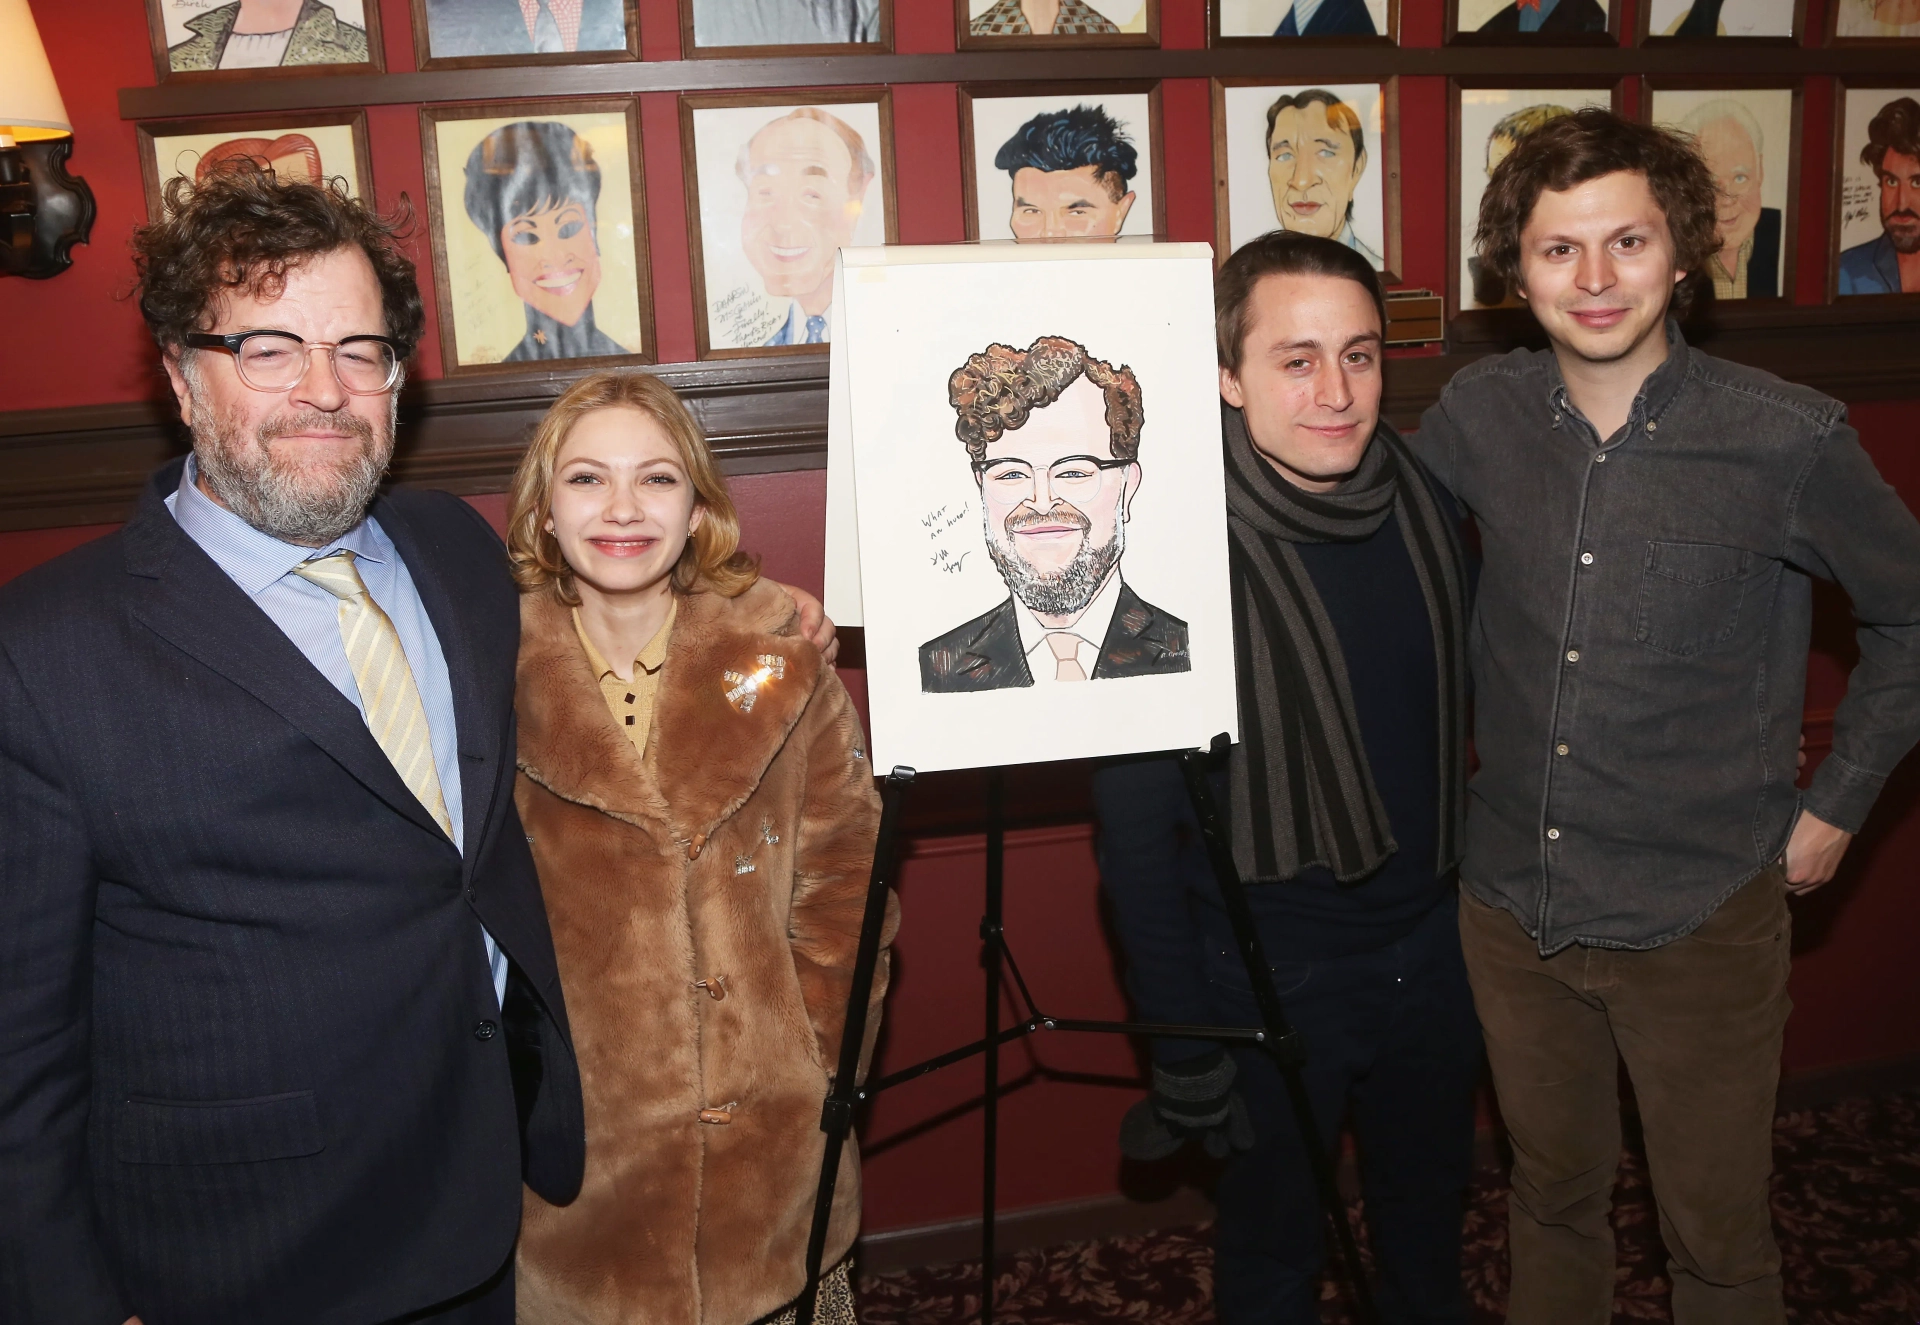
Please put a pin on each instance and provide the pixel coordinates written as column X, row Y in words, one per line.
column 533, row 188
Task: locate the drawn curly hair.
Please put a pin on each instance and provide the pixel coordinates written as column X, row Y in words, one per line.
column 996, row 390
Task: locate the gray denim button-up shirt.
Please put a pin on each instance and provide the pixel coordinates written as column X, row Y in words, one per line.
column 1639, row 643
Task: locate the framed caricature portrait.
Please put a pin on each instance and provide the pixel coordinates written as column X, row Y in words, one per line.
column 1488, row 123
column 777, row 184
column 474, row 34
column 1077, row 161
column 195, row 39
column 1230, row 22
column 751, row 29
column 1529, row 22
column 996, row 24
column 1876, row 192
column 1872, row 22
column 315, row 146
column 539, row 234
column 1750, row 138
column 1320, row 160
column 1708, row 20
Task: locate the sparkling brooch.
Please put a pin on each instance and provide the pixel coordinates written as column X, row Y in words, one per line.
column 743, row 690
column 767, row 835
column 743, row 865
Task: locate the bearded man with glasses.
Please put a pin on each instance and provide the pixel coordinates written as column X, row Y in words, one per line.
column 281, row 1034
column 1054, row 437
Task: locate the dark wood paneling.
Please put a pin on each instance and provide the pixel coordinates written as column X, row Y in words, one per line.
column 1325, row 64
column 85, row 465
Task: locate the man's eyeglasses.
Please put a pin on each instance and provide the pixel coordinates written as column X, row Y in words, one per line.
column 277, row 360
column 1009, row 480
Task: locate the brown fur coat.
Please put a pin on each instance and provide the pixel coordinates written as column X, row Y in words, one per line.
column 736, row 854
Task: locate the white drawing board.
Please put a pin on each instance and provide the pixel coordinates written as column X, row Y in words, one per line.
column 907, row 520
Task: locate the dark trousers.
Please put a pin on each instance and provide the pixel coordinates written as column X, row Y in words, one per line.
column 1698, row 1022
column 1391, row 1042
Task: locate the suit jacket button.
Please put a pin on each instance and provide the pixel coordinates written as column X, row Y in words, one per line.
column 484, row 1030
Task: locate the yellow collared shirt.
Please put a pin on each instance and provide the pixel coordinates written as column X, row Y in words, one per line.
column 631, row 702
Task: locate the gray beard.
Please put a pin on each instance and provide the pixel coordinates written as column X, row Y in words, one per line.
column 281, row 500
column 1064, row 592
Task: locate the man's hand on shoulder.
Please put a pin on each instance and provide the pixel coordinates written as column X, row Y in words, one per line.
column 813, row 623
column 1813, row 853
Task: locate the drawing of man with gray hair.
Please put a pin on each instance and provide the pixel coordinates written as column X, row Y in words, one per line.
column 1730, row 141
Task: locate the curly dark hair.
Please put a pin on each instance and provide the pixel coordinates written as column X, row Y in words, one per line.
column 1895, row 129
column 1572, row 149
column 996, row 390
column 241, row 230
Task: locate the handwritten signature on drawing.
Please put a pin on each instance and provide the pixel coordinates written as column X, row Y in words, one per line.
column 937, row 522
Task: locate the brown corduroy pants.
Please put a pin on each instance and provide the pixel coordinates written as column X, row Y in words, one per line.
column 1698, row 1022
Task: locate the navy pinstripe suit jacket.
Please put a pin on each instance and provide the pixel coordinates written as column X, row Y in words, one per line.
column 252, row 1067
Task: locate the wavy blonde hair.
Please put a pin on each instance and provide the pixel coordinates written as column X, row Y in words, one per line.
column 712, row 559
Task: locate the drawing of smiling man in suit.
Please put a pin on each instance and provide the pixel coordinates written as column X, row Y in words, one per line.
column 1054, row 437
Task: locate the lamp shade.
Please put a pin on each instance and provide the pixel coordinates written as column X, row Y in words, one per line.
column 30, row 105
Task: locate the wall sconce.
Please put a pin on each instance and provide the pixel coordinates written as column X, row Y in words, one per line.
column 44, row 211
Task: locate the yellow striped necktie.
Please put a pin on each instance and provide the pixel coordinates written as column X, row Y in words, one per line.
column 387, row 692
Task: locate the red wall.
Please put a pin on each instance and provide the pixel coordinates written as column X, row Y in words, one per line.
column 1855, row 984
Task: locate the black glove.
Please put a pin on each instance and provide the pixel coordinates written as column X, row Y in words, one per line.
column 1191, row 1099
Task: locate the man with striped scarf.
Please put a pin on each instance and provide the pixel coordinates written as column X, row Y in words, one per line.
column 1346, row 805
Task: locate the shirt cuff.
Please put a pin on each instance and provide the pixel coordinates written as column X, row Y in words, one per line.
column 1842, row 794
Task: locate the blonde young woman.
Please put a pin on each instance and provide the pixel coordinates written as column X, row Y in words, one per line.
column 695, row 785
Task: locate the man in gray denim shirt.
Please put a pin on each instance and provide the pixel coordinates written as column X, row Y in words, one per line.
column 1651, row 519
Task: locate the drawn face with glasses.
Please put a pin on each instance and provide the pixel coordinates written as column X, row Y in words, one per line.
column 1055, row 503
column 291, row 400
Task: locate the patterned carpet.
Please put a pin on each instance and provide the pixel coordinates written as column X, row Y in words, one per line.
column 1846, row 1207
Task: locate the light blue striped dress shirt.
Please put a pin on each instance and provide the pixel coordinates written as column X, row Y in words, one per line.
column 262, row 566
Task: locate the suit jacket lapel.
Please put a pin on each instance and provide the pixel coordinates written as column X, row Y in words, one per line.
column 1129, row 634
column 998, row 646
column 196, row 608
column 476, row 713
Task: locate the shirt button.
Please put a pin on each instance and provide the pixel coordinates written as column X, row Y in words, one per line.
column 1600, row 459
column 1561, row 748
column 1586, row 558
column 1573, row 655
column 1553, row 834
column 484, row 1030
column 1649, row 425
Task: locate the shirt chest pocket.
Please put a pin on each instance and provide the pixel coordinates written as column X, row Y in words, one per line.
column 1690, row 596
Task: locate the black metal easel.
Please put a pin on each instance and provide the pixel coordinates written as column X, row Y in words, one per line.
column 1276, row 1033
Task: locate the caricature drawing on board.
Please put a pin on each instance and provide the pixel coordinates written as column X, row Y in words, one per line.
column 1054, row 439
column 533, row 189
column 1072, row 175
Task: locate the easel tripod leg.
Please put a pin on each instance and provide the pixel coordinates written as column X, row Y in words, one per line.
column 1284, row 1043
column 836, row 1115
column 991, row 927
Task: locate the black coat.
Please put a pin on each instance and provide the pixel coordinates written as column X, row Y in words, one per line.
column 985, row 653
column 252, row 1067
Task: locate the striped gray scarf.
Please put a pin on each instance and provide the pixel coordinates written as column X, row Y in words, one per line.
column 1302, row 794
